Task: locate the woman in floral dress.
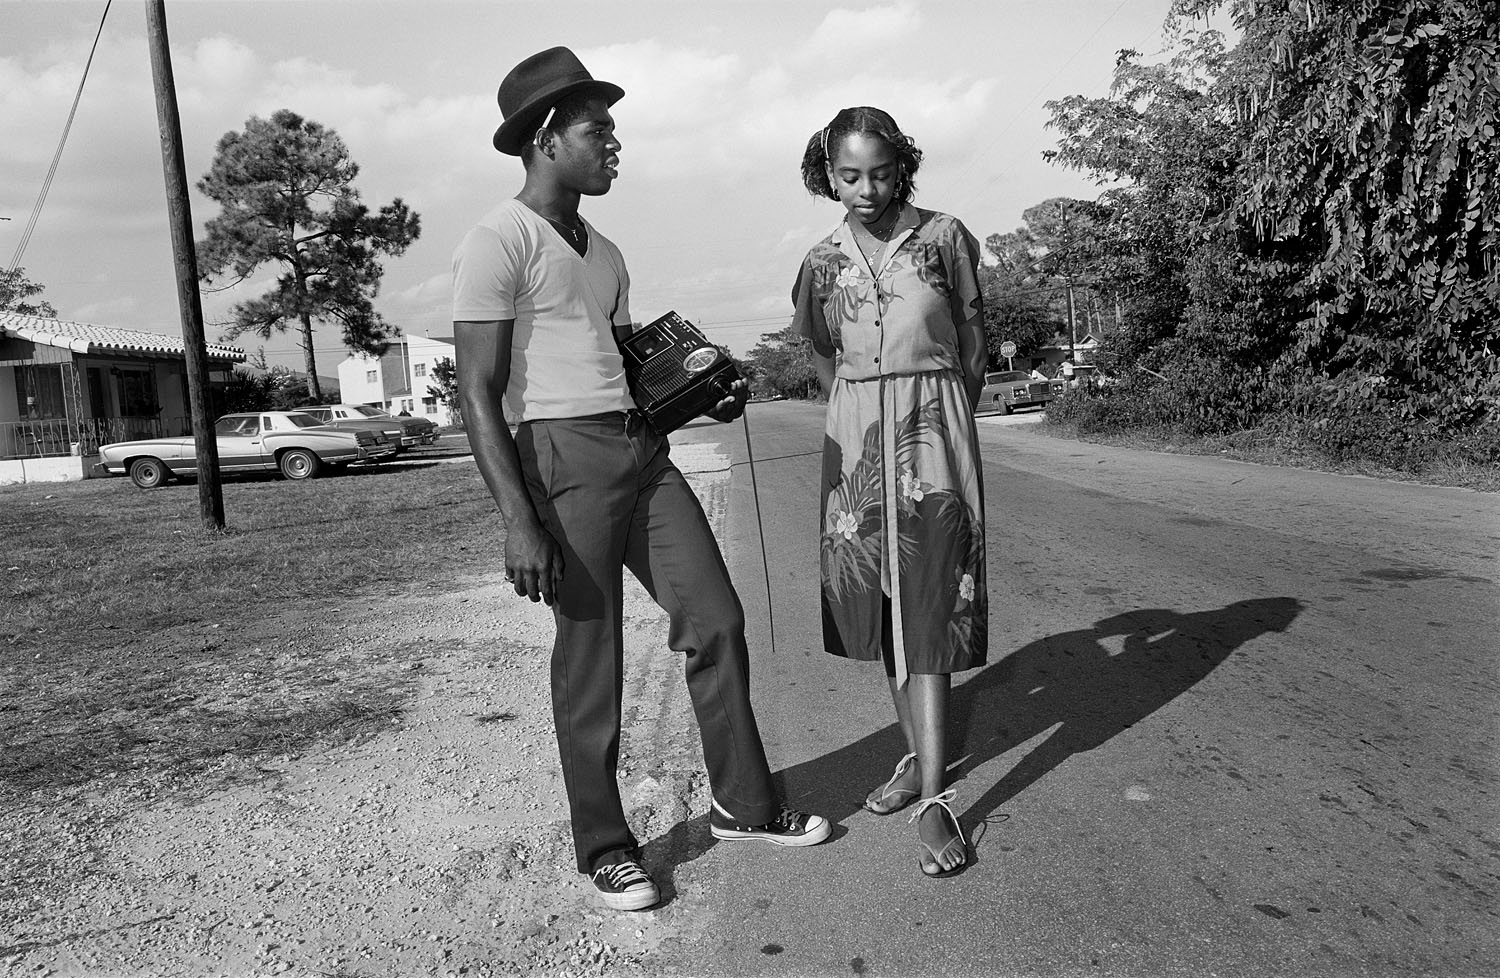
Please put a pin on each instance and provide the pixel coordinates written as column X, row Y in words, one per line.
column 890, row 301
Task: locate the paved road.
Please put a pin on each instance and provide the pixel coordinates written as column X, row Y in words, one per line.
column 1239, row 720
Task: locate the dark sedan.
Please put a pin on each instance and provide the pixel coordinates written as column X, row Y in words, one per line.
column 1006, row 390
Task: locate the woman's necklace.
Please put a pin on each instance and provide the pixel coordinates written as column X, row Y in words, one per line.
column 878, row 244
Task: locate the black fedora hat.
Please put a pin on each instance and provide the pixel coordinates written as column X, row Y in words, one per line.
column 536, row 85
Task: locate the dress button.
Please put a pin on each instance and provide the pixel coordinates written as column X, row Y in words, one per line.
column 877, row 359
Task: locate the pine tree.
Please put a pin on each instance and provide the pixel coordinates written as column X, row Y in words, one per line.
column 286, row 189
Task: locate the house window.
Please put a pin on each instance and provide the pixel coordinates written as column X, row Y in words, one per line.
column 369, row 376
column 430, row 404
column 39, row 391
column 419, row 370
column 137, row 390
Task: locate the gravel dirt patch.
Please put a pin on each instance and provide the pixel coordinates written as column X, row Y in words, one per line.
column 436, row 844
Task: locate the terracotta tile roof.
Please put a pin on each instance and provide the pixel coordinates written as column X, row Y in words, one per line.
column 88, row 338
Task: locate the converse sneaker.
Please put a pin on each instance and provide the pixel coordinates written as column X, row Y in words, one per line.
column 625, row 886
column 790, row 828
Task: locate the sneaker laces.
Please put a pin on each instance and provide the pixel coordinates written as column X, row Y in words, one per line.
column 623, row 876
column 790, row 820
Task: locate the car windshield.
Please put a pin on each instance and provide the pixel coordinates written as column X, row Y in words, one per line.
column 301, row 420
column 1006, row 376
column 369, row 412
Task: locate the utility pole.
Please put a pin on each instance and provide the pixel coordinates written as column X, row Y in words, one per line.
column 1072, row 332
column 185, row 258
column 1062, row 216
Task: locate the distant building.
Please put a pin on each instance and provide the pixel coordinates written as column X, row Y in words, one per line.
column 67, row 387
column 1051, row 355
column 399, row 380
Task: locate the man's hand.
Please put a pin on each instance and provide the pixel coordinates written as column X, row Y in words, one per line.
column 734, row 405
column 533, row 561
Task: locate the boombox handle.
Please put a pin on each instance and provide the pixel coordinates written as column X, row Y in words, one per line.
column 622, row 333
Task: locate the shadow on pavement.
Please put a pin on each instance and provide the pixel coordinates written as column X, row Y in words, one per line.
column 1071, row 681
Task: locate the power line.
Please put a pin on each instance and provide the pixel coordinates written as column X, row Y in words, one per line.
column 36, row 210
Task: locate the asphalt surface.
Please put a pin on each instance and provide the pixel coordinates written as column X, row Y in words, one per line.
column 1238, row 720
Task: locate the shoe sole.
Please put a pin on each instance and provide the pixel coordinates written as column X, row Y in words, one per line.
column 631, row 899
column 811, row 838
column 893, row 809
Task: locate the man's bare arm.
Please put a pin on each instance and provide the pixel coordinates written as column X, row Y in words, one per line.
column 532, row 557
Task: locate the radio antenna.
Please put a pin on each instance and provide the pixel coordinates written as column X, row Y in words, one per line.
column 760, row 531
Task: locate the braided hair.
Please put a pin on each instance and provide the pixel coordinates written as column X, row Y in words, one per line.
column 859, row 120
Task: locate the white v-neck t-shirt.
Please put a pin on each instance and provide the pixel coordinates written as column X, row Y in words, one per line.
column 565, row 363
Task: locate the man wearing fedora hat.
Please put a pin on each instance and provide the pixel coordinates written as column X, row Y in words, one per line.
column 586, row 488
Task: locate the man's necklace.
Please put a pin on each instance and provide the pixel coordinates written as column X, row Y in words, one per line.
column 574, row 236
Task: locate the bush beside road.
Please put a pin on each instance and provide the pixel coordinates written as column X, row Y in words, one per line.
column 1350, row 441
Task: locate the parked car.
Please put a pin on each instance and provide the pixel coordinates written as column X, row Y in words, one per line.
column 295, row 444
column 414, row 431
column 1006, row 390
column 391, row 429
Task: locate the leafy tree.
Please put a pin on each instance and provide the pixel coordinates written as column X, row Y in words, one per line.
column 1016, row 309
column 1311, row 217
column 1367, row 169
column 291, row 390
column 781, row 364
column 1062, row 242
column 1162, row 137
column 286, row 189
column 16, row 288
column 444, row 374
column 243, row 392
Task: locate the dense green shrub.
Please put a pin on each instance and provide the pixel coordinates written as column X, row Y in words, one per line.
column 1307, row 221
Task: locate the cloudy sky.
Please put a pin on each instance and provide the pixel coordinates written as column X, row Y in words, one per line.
column 721, row 97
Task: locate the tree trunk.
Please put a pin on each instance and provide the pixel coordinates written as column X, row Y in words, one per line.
column 313, row 387
column 309, row 360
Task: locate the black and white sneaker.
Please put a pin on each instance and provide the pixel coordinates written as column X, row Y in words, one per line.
column 625, row 886
column 790, row 828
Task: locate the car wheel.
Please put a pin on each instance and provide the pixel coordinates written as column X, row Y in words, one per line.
column 1003, row 407
column 298, row 463
column 149, row 473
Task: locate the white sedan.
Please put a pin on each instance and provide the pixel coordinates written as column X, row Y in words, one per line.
column 290, row 442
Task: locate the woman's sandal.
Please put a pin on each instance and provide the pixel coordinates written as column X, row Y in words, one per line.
column 894, row 798
column 935, row 856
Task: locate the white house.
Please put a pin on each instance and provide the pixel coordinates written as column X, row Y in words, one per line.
column 68, row 387
column 399, row 380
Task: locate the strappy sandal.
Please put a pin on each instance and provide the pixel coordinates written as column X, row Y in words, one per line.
column 895, row 798
column 935, row 856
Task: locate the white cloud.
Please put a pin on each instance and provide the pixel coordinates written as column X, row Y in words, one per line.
column 847, row 32
column 434, row 288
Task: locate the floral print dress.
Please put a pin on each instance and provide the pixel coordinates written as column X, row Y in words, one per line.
column 902, row 542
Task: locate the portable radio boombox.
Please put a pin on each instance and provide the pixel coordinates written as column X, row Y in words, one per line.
column 674, row 373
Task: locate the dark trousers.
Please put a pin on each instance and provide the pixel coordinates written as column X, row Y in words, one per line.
column 605, row 488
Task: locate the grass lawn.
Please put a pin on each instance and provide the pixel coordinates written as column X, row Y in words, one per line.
column 134, row 640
